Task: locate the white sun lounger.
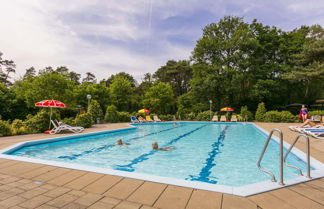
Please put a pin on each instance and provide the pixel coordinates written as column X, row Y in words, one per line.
column 223, row 118
column 234, row 118
column 60, row 126
column 215, row 118
column 156, row 119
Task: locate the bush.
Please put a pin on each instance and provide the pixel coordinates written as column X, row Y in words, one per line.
column 123, row 116
column 275, row 116
column 316, row 112
column 190, row 116
column 69, row 121
column 204, row 116
column 18, row 127
column 40, row 121
column 166, row 117
column 95, row 110
column 84, row 120
column 260, row 112
column 4, row 128
column 111, row 114
column 246, row 114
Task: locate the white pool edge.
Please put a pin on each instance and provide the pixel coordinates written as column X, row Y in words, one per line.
column 244, row 191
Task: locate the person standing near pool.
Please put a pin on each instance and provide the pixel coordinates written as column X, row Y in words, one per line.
column 303, row 113
column 155, row 146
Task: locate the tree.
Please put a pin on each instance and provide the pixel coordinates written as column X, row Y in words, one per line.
column 95, row 110
column 125, row 75
column 30, row 73
column 120, row 93
column 178, row 74
column 90, row 78
column 160, row 99
column 309, row 70
column 6, row 67
column 260, row 112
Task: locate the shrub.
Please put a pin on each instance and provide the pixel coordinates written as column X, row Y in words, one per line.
column 123, row 116
column 69, row 121
column 84, row 120
column 204, row 116
column 111, row 114
column 166, row 117
column 40, row 121
column 95, row 110
column 260, row 112
column 316, row 112
column 246, row 114
column 275, row 116
column 191, row 116
column 4, row 128
column 18, row 127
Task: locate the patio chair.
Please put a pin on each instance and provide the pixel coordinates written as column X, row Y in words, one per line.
column 301, row 129
column 156, row 118
column 141, row 119
column 215, row 118
column 316, row 133
column 60, row 126
column 134, row 119
column 234, row 118
column 148, row 118
column 223, row 118
column 316, row 118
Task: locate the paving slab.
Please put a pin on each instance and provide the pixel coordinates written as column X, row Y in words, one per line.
column 83, row 181
column 205, row 200
column 124, row 188
column 174, row 197
column 102, row 184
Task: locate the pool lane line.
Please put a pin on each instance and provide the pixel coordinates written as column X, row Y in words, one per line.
column 104, row 147
column 209, row 162
column 143, row 157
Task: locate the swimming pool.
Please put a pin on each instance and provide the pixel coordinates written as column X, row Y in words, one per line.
column 218, row 155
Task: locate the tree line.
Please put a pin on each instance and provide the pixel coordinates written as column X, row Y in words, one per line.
column 234, row 63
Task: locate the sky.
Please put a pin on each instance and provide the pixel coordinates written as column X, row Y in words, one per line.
column 134, row 36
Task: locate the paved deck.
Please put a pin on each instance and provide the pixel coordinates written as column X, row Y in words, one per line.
column 29, row 185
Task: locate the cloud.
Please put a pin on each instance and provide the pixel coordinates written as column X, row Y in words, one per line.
column 105, row 37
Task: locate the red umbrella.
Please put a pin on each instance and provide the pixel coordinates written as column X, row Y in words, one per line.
column 227, row 109
column 51, row 104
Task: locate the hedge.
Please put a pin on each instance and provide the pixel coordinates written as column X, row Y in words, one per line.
column 275, row 116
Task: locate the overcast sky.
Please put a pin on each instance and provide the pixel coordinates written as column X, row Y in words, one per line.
column 135, row 36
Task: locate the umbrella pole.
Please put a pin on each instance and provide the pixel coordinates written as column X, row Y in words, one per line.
column 49, row 127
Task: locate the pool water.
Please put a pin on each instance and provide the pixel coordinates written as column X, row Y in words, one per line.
column 216, row 153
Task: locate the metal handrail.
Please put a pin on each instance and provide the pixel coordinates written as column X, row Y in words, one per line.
column 273, row 178
column 308, row 155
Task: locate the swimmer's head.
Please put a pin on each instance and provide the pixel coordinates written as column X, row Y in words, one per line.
column 119, row 141
column 155, row 145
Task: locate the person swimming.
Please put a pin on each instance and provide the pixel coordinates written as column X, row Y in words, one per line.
column 175, row 124
column 120, row 142
column 155, row 146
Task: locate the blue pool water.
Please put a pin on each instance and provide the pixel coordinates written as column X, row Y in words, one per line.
column 216, row 153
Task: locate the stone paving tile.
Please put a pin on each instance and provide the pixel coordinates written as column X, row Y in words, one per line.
column 309, row 192
column 5, row 187
column 48, row 186
column 51, row 174
column 12, row 201
column 61, row 201
column 29, row 186
column 205, row 200
column 124, row 188
column 147, row 193
column 88, row 199
column 147, row 207
column 32, row 193
column 9, row 180
column 45, row 206
column 173, row 197
column 20, row 168
column 74, row 205
column 101, row 205
column 16, row 191
column 77, row 193
column 128, row 205
column 234, row 202
column 66, row 178
column 5, row 195
column 110, row 200
column 25, row 181
column 38, row 172
column 268, row 201
column 16, row 207
column 102, row 184
column 83, row 181
column 57, row 192
column 35, row 202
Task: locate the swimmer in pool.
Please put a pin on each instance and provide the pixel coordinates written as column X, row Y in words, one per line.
column 155, row 146
column 120, row 142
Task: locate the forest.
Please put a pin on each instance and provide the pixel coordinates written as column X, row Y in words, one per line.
column 234, row 63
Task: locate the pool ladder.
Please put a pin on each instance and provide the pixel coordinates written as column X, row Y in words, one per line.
column 283, row 158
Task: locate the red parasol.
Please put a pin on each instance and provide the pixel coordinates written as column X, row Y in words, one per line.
column 51, row 104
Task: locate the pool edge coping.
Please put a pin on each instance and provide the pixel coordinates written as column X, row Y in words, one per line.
column 246, row 190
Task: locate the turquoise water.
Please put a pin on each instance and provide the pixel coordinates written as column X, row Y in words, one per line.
column 216, row 153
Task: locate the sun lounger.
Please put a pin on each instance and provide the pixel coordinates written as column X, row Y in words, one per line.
column 316, row 133
column 156, row 119
column 141, row 119
column 148, row 118
column 215, row 118
column 301, row 129
column 134, row 119
column 223, row 118
column 60, row 126
column 234, row 118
